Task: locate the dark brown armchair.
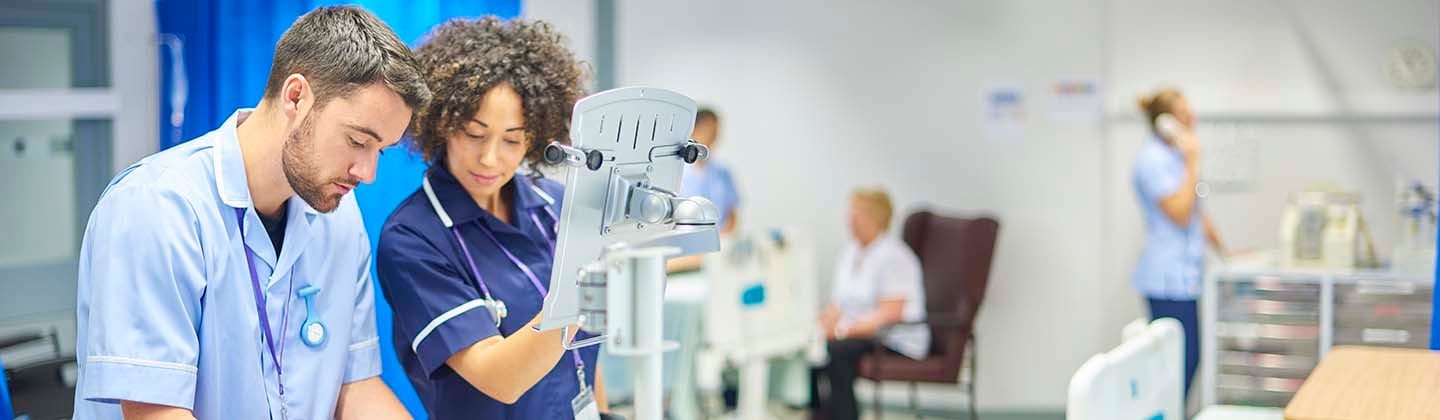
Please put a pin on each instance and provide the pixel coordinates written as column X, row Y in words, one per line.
column 955, row 256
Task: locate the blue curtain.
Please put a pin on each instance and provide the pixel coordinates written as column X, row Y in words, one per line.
column 5, row 411
column 227, row 47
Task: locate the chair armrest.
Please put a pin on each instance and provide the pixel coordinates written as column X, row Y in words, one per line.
column 938, row 320
column 943, row 321
column 19, row 339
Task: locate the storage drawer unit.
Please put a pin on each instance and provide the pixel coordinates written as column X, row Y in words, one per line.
column 1264, row 331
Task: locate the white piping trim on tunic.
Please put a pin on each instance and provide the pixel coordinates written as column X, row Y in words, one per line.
column 440, row 320
column 548, row 199
column 372, row 342
column 143, row 363
column 435, row 202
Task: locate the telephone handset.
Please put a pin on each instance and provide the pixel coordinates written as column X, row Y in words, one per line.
column 1172, row 130
column 1168, row 126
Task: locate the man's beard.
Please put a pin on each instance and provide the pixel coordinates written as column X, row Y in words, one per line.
column 298, row 161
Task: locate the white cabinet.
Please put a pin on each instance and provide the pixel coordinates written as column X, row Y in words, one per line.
column 1264, row 329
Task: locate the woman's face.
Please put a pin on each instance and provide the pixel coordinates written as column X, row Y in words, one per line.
column 487, row 150
column 1181, row 110
column 862, row 223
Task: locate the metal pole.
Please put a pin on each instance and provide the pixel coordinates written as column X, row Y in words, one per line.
column 648, row 290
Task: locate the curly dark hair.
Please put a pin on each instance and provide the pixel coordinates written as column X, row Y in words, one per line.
column 464, row 58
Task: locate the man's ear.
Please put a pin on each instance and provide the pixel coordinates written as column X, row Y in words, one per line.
column 296, row 97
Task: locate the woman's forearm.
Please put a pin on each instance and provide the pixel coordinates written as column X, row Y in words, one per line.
column 600, row 401
column 1214, row 236
column 1179, row 205
column 506, row 367
column 888, row 312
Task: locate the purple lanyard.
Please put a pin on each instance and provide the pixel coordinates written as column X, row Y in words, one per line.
column 534, row 280
column 275, row 355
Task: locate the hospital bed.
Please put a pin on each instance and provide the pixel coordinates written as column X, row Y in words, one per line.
column 753, row 302
column 1142, row 379
column 762, row 304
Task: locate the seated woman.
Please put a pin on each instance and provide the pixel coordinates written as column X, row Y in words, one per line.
column 877, row 284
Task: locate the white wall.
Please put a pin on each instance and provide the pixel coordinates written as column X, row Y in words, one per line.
column 818, row 97
column 575, row 19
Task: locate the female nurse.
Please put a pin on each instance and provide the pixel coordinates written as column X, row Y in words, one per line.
column 1166, row 176
column 465, row 260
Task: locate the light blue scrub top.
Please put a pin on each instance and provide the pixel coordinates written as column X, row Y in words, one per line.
column 1173, row 258
column 714, row 182
column 166, row 310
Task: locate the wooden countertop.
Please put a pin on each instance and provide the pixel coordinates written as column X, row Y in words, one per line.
column 1367, row 383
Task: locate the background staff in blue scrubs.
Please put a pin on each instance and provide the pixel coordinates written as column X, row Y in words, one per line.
column 1166, row 171
column 504, row 89
column 712, row 179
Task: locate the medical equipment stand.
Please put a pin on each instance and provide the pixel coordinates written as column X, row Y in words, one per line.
column 641, row 292
column 623, row 295
column 620, row 222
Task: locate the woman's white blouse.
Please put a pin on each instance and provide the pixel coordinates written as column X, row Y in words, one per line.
column 885, row 269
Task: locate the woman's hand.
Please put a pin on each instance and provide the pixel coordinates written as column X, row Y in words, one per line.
column 1181, row 202
column 829, row 318
column 1188, row 145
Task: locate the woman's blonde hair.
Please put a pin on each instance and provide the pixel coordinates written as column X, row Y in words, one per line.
column 877, row 201
column 1159, row 102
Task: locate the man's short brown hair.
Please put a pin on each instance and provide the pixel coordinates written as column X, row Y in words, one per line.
column 342, row 48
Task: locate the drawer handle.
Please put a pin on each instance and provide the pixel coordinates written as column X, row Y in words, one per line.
column 1379, row 335
column 1375, row 287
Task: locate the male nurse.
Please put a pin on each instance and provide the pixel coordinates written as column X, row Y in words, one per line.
column 227, row 277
